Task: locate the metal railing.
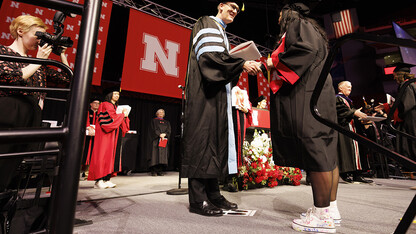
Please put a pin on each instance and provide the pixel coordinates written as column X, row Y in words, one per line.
column 411, row 211
column 65, row 187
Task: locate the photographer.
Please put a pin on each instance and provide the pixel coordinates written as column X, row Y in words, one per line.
column 23, row 108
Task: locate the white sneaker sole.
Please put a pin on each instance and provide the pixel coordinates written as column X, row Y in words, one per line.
column 301, row 228
column 337, row 222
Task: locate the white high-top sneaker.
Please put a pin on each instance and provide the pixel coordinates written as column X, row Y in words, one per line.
column 334, row 213
column 100, row 184
column 110, row 184
column 315, row 221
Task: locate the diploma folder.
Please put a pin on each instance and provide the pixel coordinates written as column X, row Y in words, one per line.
column 247, row 51
column 163, row 143
column 121, row 107
column 373, row 118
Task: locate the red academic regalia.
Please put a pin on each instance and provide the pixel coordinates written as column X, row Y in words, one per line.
column 241, row 122
column 92, row 119
column 396, row 118
column 105, row 144
column 348, row 149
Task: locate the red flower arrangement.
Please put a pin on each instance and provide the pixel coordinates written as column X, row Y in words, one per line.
column 259, row 169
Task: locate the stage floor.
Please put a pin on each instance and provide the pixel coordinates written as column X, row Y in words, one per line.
column 139, row 204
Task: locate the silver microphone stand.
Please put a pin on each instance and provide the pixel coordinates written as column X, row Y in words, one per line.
column 179, row 190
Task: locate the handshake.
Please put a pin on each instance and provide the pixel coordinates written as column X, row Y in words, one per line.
column 253, row 67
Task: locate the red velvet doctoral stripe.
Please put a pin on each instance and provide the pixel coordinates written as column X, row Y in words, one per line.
column 285, row 72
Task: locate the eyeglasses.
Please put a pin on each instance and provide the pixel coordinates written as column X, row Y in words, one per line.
column 234, row 7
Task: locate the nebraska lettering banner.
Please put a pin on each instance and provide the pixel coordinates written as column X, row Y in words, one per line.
column 156, row 56
column 11, row 9
column 263, row 83
column 243, row 82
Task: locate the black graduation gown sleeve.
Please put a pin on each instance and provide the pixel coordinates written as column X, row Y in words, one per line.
column 345, row 113
column 407, row 112
column 408, row 101
column 217, row 66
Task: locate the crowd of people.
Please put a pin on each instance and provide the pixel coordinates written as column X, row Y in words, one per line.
column 217, row 113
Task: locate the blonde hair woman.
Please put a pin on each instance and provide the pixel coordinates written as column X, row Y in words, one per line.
column 23, row 108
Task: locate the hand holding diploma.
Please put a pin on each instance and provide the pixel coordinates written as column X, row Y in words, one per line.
column 252, row 67
column 248, row 51
column 125, row 109
column 91, row 130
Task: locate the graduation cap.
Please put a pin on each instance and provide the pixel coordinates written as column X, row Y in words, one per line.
column 115, row 88
column 240, row 3
column 94, row 98
column 402, row 67
column 259, row 99
column 108, row 92
column 299, row 6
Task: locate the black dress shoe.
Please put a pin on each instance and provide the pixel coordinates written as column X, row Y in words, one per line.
column 346, row 178
column 222, row 203
column 230, row 187
column 160, row 173
column 361, row 180
column 308, row 180
column 205, row 208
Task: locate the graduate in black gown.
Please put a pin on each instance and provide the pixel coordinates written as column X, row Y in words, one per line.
column 406, row 112
column 298, row 139
column 208, row 140
column 160, row 134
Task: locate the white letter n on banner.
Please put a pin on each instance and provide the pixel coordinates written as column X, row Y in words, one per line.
column 154, row 49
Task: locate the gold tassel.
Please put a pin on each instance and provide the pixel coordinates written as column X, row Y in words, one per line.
column 243, row 8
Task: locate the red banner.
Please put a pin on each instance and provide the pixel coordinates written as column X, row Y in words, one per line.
column 156, row 56
column 243, row 82
column 263, row 84
column 11, row 9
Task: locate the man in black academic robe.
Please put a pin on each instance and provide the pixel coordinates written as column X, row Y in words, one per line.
column 406, row 112
column 160, row 135
column 348, row 149
column 92, row 119
column 208, row 139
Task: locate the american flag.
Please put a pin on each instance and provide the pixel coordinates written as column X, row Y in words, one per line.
column 342, row 23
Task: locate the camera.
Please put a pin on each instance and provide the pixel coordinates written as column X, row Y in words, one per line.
column 57, row 41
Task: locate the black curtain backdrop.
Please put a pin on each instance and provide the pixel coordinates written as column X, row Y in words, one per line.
column 143, row 111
